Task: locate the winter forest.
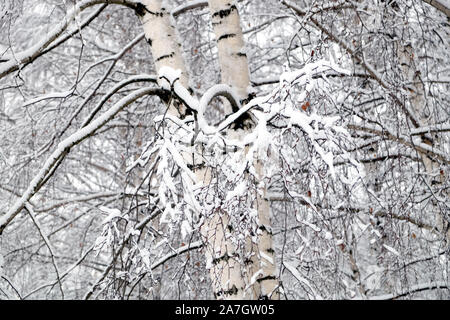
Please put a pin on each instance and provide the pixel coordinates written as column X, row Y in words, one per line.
column 224, row 149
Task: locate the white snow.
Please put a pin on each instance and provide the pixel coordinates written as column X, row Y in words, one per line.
column 112, row 213
column 391, row 249
column 300, row 278
column 67, row 143
column 266, row 257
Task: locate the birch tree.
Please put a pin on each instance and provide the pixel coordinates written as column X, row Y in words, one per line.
column 224, row 149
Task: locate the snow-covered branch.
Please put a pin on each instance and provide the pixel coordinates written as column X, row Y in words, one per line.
column 64, row 147
column 413, row 289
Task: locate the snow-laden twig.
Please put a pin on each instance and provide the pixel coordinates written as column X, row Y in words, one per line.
column 110, row 266
column 416, row 288
column 301, row 279
column 33, row 52
column 64, row 147
column 371, row 70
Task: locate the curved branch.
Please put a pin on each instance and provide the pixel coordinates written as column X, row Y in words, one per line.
column 189, row 6
column 27, row 56
column 177, row 252
column 219, row 90
column 30, row 54
column 441, row 5
column 64, row 148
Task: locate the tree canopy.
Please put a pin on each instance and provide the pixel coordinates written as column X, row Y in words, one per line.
column 113, row 161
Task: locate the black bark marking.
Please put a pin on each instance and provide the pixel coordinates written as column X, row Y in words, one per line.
column 197, row 166
column 266, row 278
column 243, row 122
column 248, row 99
column 226, row 36
column 270, row 250
column 263, row 228
column 224, row 13
column 225, row 258
column 141, row 9
column 232, row 291
column 166, row 56
column 149, row 41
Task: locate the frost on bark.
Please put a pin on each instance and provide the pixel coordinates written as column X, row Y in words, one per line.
column 166, row 50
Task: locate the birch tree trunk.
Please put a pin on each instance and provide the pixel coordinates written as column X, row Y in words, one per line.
column 166, row 50
column 231, row 280
column 230, row 42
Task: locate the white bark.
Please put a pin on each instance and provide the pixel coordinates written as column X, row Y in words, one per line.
column 266, row 255
column 231, row 279
column 226, row 272
column 230, row 42
column 165, row 48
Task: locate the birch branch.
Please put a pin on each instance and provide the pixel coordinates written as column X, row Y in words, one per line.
column 417, row 288
column 352, row 52
column 64, row 148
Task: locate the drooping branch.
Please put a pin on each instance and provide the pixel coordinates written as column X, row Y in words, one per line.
column 359, row 59
column 64, row 147
column 28, row 55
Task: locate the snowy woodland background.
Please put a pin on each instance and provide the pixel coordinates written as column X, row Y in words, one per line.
column 345, row 135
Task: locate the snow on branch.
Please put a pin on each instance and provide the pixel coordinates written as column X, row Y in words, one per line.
column 17, row 60
column 64, row 147
column 192, row 143
column 413, row 289
column 33, row 52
